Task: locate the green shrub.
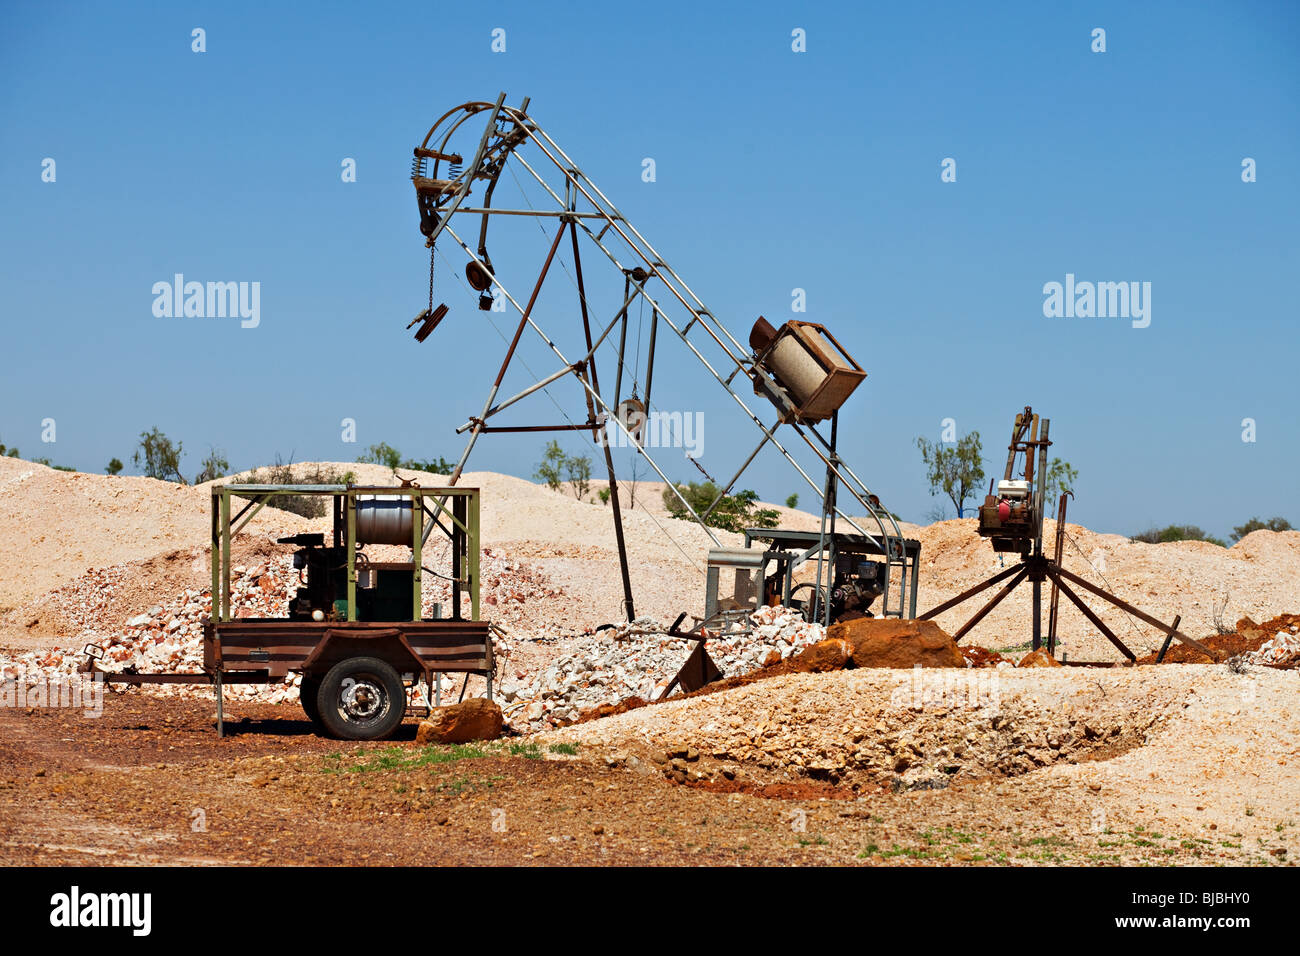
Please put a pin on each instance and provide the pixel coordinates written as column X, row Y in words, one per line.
column 733, row 513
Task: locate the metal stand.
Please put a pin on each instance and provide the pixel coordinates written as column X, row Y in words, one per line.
column 1038, row 568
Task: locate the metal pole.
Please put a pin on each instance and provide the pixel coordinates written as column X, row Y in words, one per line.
column 510, row 352
column 830, row 503
column 615, row 504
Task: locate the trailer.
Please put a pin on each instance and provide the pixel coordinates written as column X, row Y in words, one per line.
column 355, row 630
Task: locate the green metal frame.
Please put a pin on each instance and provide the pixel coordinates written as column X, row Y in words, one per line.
column 463, row 533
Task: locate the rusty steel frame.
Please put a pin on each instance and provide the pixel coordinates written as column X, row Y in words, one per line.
column 496, row 148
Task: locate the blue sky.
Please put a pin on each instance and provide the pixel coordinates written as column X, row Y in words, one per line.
column 775, row 170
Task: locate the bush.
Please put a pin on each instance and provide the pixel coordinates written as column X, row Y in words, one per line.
column 388, row 456
column 733, row 513
column 283, row 473
column 49, row 464
column 1254, row 524
column 381, row 454
column 792, row 501
column 435, row 466
column 114, row 466
column 1176, row 532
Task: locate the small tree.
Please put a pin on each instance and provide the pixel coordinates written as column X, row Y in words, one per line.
column 551, row 469
column 382, row 454
column 1254, row 524
column 214, row 466
column 954, row 468
column 159, row 457
column 633, row 482
column 578, row 471
column 8, row 452
column 114, row 466
column 1060, row 478
column 792, row 501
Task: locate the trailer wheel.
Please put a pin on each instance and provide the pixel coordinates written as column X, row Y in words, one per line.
column 361, row 698
column 307, row 696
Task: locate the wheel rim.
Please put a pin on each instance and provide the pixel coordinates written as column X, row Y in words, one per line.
column 362, row 699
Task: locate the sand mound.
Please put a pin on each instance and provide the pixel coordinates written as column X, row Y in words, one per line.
column 55, row 527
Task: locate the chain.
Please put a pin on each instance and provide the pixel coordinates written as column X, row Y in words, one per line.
column 430, row 276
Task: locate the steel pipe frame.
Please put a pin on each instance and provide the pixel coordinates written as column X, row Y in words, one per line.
column 596, row 397
column 575, row 179
column 742, row 364
column 656, row 263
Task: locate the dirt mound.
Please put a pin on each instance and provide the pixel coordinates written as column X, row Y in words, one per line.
column 920, row 729
column 882, row 642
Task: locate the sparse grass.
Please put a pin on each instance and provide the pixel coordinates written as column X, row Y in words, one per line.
column 401, row 758
column 529, row 751
column 818, row 840
column 569, row 750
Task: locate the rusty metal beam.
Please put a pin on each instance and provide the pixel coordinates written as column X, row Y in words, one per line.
column 1139, row 614
column 1092, row 616
column 1021, row 572
column 970, row 592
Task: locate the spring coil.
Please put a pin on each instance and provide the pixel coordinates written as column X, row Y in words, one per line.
column 417, row 167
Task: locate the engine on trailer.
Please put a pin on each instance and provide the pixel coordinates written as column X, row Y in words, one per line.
column 382, row 594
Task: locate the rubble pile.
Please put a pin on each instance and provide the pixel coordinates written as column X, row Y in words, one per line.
column 512, row 593
column 638, row 659
column 84, row 602
column 1282, row 650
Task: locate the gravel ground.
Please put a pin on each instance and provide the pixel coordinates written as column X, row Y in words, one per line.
column 1203, row 776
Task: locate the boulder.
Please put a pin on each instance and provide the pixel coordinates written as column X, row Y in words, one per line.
column 1039, row 658
column 831, row 654
column 475, row 719
column 880, row 642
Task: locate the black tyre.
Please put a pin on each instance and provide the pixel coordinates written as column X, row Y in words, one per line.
column 361, row 698
column 307, row 692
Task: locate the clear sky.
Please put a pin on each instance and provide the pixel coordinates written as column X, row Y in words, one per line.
column 775, row 170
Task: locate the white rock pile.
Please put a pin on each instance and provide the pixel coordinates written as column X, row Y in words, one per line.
column 611, row 666
column 1282, row 650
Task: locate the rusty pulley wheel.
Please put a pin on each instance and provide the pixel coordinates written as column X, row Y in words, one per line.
column 631, row 413
column 480, row 280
